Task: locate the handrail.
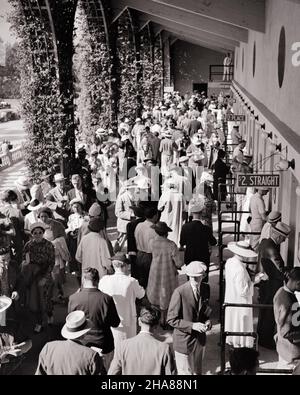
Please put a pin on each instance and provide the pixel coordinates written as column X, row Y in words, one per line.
column 14, row 156
column 221, row 72
column 244, row 334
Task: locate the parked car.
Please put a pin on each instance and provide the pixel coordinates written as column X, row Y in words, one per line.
column 4, row 104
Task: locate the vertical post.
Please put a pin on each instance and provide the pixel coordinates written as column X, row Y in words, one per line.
column 166, row 59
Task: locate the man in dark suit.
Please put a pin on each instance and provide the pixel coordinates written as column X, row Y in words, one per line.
column 69, row 357
column 144, row 354
column 271, row 263
column 189, row 315
column 287, row 314
column 197, row 238
column 101, row 310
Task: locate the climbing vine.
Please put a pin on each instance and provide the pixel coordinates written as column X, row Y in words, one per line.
column 147, row 74
column 158, row 68
column 92, row 65
column 41, row 102
column 127, row 69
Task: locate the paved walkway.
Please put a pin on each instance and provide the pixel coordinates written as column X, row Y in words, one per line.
column 10, row 175
column 268, row 359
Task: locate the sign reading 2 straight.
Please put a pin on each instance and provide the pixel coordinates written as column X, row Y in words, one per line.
column 259, row 180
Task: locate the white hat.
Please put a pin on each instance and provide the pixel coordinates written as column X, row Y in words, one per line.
column 100, row 131
column 242, row 248
column 183, row 159
column 23, row 183
column 59, row 177
column 126, row 120
column 75, row 200
column 195, row 269
column 35, row 205
column 168, row 133
column 37, row 225
column 76, row 325
column 5, row 303
column 196, row 205
column 138, row 120
column 125, row 137
column 196, row 139
column 206, row 177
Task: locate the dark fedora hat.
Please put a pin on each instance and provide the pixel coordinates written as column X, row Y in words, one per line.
column 161, row 228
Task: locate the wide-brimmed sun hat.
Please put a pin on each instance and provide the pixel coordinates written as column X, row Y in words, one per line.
column 242, row 249
column 195, row 269
column 5, row 303
column 76, row 325
column 35, row 205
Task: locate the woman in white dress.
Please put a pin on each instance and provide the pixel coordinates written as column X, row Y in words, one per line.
column 172, row 204
column 239, row 289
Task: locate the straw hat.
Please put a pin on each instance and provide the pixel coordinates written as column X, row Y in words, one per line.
column 37, row 225
column 242, row 249
column 274, row 217
column 59, row 177
column 183, row 159
column 35, row 205
column 195, row 269
column 76, row 200
column 76, row 325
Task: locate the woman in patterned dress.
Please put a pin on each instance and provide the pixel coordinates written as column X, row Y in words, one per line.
column 163, row 271
column 38, row 263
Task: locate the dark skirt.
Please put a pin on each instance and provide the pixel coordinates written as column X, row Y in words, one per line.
column 266, row 327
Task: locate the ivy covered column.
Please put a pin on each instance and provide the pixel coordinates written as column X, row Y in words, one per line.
column 44, row 29
column 128, row 68
column 158, row 69
column 147, row 67
column 166, row 59
column 94, row 68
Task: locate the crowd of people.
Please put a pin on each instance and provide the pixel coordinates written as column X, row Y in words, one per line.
column 161, row 175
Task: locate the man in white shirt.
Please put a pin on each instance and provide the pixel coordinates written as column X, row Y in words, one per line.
column 227, row 64
column 143, row 234
column 124, row 289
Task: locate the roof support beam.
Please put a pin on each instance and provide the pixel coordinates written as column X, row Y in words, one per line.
column 187, row 31
column 199, row 42
column 181, row 16
column 248, row 14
